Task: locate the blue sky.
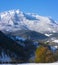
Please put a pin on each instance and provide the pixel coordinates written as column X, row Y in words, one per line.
column 41, row 7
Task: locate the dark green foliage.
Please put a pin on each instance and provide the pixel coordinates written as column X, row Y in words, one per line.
column 12, row 48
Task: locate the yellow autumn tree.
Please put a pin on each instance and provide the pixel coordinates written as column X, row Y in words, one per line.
column 43, row 55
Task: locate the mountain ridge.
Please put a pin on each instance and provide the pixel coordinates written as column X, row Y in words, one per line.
column 16, row 20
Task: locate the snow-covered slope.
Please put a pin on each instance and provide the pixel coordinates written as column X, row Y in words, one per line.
column 4, row 57
column 16, row 20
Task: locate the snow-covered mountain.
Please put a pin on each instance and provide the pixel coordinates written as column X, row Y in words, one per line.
column 21, row 33
column 14, row 20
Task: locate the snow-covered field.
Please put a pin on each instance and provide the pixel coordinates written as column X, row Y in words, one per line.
column 33, row 64
column 40, row 64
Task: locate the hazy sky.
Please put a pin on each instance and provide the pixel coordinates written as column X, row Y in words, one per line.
column 41, row 7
